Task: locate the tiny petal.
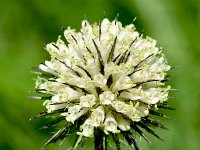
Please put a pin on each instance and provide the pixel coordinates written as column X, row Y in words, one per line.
column 100, row 80
column 123, row 124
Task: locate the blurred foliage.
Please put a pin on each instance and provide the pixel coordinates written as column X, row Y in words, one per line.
column 25, row 25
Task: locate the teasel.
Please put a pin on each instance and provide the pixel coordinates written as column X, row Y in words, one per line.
column 106, row 83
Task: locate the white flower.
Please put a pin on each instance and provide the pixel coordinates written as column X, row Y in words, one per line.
column 95, row 120
column 87, row 129
column 110, row 124
column 107, row 77
column 106, row 98
column 87, row 101
column 74, row 112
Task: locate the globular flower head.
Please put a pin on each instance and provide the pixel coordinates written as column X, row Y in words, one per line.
column 106, row 80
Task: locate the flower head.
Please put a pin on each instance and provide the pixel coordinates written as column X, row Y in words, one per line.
column 106, row 80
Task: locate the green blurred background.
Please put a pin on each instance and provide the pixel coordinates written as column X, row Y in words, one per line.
column 26, row 25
